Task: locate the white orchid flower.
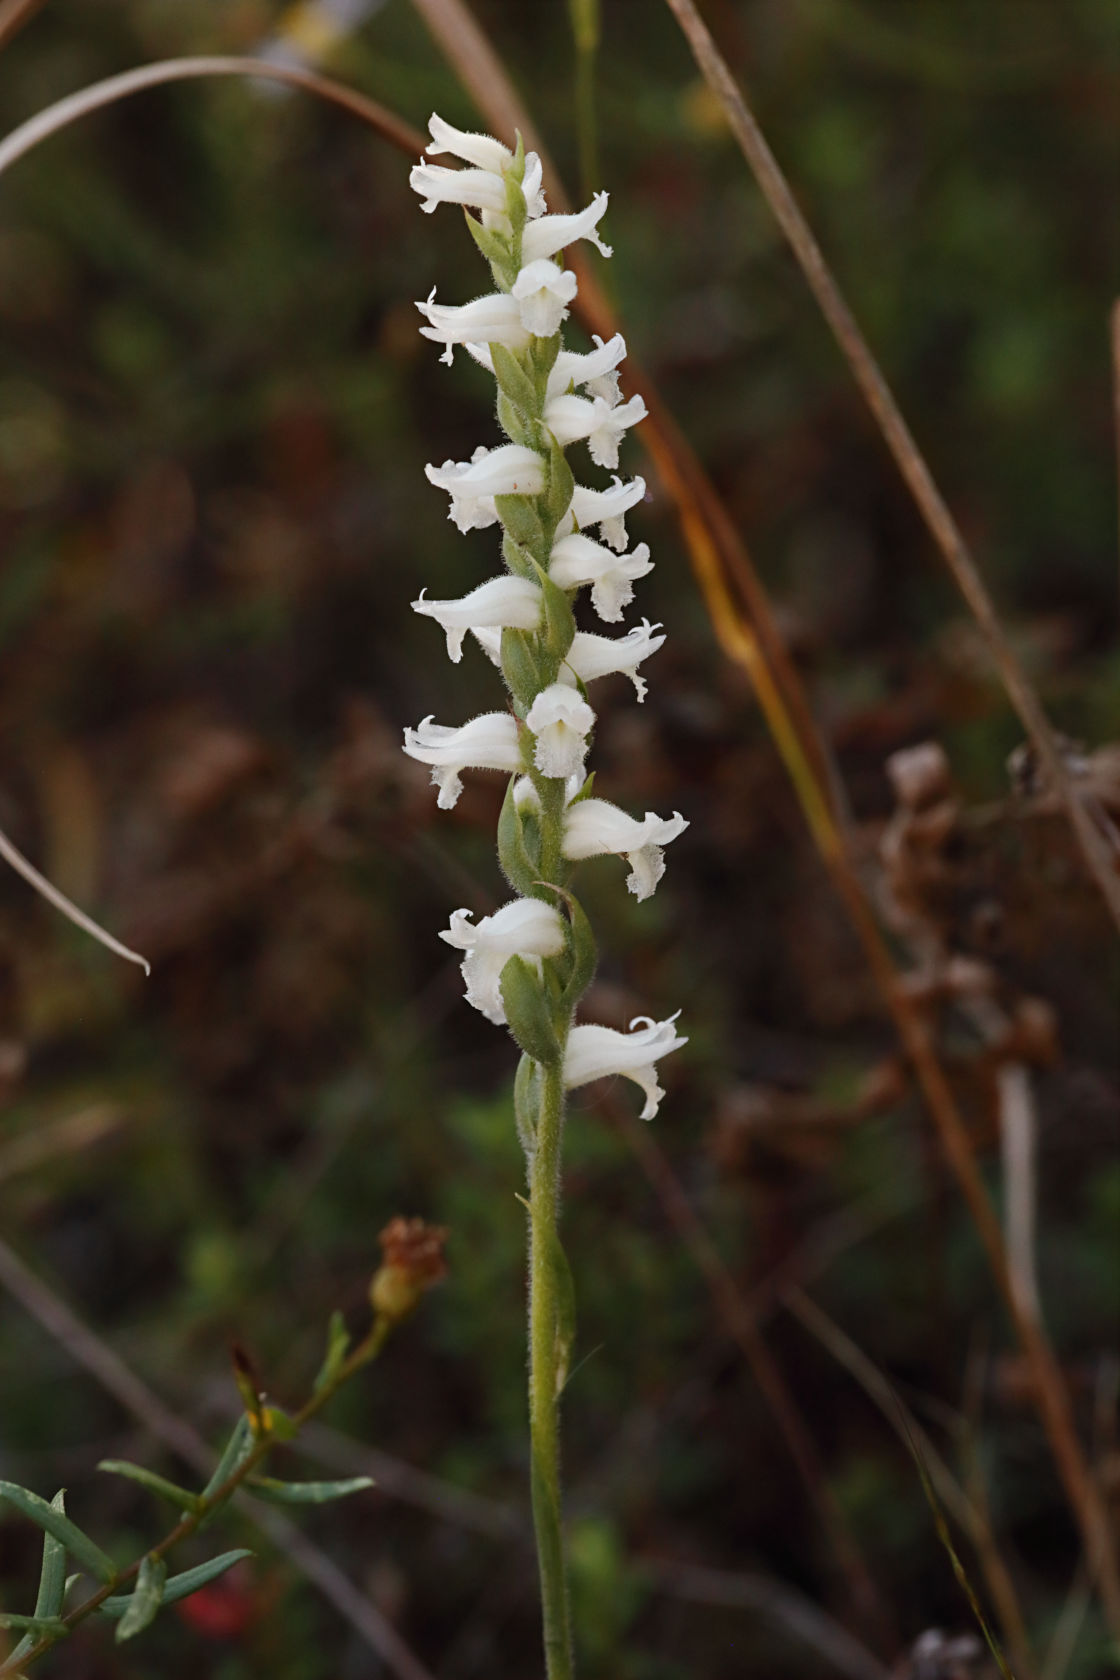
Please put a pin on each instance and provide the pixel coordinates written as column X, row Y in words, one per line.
column 596, row 828
column 472, row 485
column 561, row 722
column 595, row 1052
column 481, row 189
column 570, row 418
column 502, row 603
column 480, row 149
column 599, row 656
column 526, row 927
column 576, row 560
column 596, row 370
column 606, row 508
column 487, row 742
column 550, row 234
column 493, row 319
column 543, row 292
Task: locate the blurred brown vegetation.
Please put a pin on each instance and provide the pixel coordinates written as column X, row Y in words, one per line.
column 214, row 415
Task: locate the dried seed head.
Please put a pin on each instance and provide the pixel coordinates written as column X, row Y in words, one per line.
column 412, row 1261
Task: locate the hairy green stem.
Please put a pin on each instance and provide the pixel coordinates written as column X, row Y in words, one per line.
column 544, row 1370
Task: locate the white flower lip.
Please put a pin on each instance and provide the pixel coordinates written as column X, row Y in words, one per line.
column 501, row 603
column 487, row 742
column 606, row 508
column 596, row 369
column 551, row 233
column 596, row 1052
column 570, row 418
column 599, row 656
column 493, row 319
column 480, row 149
column 472, row 485
column 542, row 292
column 577, row 560
column 596, row 828
column 561, row 722
column 479, row 188
column 526, row 927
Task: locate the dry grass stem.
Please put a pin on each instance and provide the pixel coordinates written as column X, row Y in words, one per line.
column 909, row 459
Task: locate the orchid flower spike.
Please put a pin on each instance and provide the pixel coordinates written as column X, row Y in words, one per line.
column 595, row 1052
column 596, row 828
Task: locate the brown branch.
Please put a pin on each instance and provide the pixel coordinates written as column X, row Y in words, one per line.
column 1114, row 322
column 899, row 439
column 14, row 14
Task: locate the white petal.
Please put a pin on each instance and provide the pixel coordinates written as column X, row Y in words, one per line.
column 472, row 485
column 501, row 602
column 526, row 927
column 597, row 369
column 577, row 560
column 550, row 234
column 480, row 149
column 606, row 508
column 487, row 742
column 595, row 1052
column 598, row 656
column 542, row 290
column 561, row 721
column 477, row 187
column 493, row 319
column 594, row 828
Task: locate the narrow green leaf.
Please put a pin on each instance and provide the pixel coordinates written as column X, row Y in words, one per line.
column 338, row 1346
column 519, row 665
column 181, row 1498
column 520, row 517
column 236, row 1451
column 585, row 790
column 559, row 619
column 542, row 354
column 495, row 248
column 583, row 952
column 528, row 1012
column 513, row 380
column 565, row 1314
column 558, row 495
column 526, row 1103
column 52, row 1521
column 516, row 208
column 514, row 424
column 36, row 1627
column 52, row 1582
column 521, row 870
column 306, row 1493
column 146, row 1598
column 178, row 1586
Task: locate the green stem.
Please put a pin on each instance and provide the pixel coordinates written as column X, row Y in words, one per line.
column 544, row 1375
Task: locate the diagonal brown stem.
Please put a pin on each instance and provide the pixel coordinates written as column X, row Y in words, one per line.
column 899, row 440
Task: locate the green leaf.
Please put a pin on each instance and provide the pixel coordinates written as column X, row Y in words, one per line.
column 514, row 424
column 583, row 951
column 514, row 382
column 559, row 619
column 52, row 1521
column 52, row 1583
column 519, row 516
column 516, row 208
column 558, row 495
column 146, row 1598
column 181, row 1498
column 306, row 1493
column 37, row 1627
column 542, row 356
column 495, row 248
column 338, row 1346
column 526, row 1103
column 236, row 1451
column 585, row 790
column 527, row 1011
column 178, row 1586
column 520, row 869
column 519, row 665
column 565, row 1313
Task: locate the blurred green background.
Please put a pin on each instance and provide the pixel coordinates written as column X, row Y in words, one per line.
column 214, row 415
